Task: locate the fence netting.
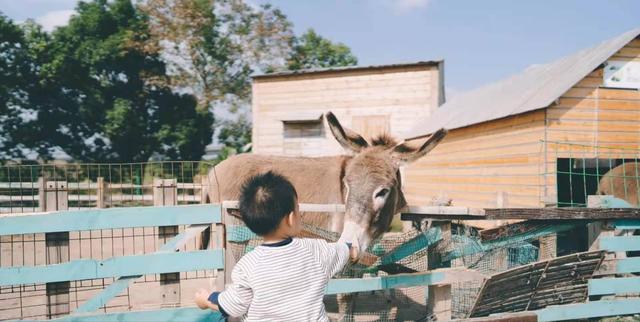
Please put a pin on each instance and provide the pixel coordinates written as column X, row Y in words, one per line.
column 409, row 252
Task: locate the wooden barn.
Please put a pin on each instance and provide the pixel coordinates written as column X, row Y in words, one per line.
column 288, row 107
column 539, row 138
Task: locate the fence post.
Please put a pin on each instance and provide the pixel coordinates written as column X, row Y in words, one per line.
column 165, row 194
column 548, row 246
column 439, row 296
column 218, row 233
column 53, row 196
column 101, row 193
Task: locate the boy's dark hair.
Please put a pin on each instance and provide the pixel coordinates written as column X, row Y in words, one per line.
column 264, row 200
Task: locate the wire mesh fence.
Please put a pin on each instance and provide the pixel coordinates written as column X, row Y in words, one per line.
column 98, row 185
column 34, row 188
column 576, row 171
column 410, row 252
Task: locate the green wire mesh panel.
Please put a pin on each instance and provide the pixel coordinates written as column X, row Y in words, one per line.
column 125, row 184
column 579, row 170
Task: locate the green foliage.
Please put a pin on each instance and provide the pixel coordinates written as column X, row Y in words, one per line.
column 312, row 50
column 236, row 134
column 125, row 82
column 97, row 94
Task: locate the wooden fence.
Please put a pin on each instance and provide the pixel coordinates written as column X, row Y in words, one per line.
column 611, row 235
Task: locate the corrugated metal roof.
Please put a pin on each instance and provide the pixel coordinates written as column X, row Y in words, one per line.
column 535, row 88
column 347, row 68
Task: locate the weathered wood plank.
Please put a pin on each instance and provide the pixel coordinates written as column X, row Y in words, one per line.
column 561, row 213
column 507, row 317
column 538, row 284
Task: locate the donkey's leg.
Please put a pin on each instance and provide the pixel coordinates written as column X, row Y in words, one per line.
column 345, row 307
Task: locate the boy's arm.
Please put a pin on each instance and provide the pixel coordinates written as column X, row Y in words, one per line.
column 334, row 255
column 236, row 298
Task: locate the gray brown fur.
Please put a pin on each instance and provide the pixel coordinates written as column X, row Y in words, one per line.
column 350, row 179
column 621, row 182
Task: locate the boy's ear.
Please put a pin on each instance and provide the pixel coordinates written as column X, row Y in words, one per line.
column 290, row 218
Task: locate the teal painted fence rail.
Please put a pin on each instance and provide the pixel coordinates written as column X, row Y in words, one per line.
column 610, row 286
column 620, row 243
column 127, row 268
column 190, row 314
column 350, row 285
column 95, row 219
column 83, row 269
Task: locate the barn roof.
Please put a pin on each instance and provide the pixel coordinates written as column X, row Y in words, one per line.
column 535, row 88
column 348, row 68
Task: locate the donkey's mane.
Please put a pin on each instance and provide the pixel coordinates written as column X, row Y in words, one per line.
column 384, row 140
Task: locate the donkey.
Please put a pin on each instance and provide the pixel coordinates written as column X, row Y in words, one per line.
column 368, row 182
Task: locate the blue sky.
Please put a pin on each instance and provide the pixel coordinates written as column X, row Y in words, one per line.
column 480, row 41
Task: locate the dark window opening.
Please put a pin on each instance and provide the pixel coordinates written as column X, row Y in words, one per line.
column 304, row 129
column 578, row 178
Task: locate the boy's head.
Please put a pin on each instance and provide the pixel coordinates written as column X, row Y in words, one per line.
column 265, row 201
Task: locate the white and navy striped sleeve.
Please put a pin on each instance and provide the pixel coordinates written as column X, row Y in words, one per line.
column 236, row 298
column 333, row 255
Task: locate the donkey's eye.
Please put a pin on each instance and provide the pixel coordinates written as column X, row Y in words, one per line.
column 382, row 193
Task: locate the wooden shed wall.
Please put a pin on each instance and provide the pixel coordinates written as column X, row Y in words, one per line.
column 591, row 121
column 402, row 94
column 511, row 162
column 492, row 164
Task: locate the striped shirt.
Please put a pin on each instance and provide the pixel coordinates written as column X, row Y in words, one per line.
column 284, row 283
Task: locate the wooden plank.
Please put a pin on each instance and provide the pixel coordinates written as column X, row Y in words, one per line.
column 569, row 213
column 610, row 286
column 95, row 219
column 435, row 277
column 508, row 317
column 303, row 207
column 620, row 243
column 627, row 224
column 83, row 269
column 627, row 265
column 528, row 287
column 168, row 314
column 593, row 309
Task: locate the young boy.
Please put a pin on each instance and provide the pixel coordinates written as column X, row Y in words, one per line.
column 285, row 278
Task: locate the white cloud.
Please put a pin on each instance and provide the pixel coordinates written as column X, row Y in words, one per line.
column 405, row 6
column 53, row 19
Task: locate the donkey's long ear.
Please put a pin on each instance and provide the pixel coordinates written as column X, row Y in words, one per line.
column 347, row 138
column 406, row 153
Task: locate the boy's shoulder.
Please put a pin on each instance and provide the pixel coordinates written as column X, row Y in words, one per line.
column 311, row 242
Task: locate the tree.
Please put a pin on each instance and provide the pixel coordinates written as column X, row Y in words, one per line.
column 212, row 47
column 312, row 50
column 105, row 98
column 13, row 70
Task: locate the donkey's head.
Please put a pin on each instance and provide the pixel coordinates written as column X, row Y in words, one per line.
column 372, row 180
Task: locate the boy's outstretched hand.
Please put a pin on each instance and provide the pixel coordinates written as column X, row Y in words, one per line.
column 353, row 253
column 202, row 300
